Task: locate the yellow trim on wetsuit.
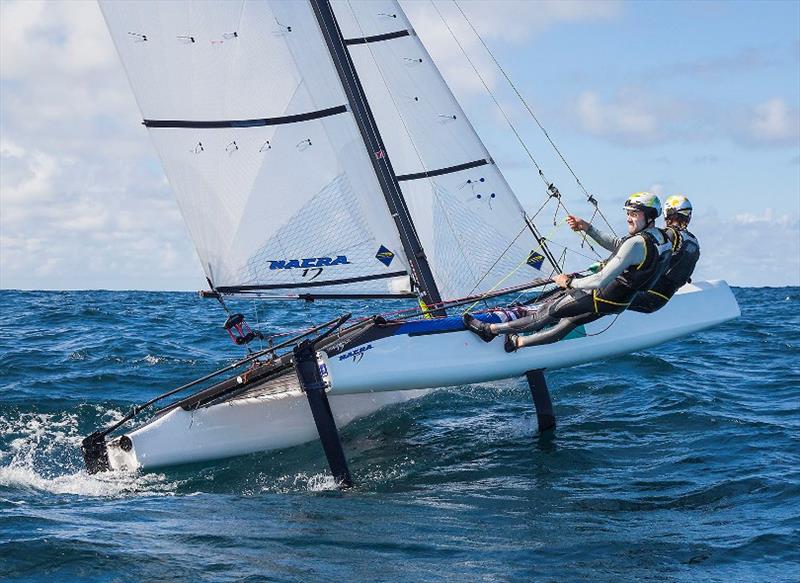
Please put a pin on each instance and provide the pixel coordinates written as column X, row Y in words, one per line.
column 678, row 239
column 645, row 252
column 596, row 299
column 655, row 293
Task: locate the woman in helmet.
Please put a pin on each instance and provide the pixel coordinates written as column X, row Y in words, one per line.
column 685, row 253
column 637, row 261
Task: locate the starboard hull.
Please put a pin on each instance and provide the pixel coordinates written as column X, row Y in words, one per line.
column 420, row 357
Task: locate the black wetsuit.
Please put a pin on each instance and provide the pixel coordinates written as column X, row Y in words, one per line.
column 685, row 253
column 571, row 308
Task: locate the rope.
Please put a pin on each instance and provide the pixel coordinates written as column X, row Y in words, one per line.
column 553, row 192
column 513, row 271
column 607, row 327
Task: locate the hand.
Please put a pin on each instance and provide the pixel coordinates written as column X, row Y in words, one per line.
column 561, row 280
column 577, row 223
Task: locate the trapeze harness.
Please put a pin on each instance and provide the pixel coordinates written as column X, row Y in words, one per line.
column 685, row 253
column 572, row 308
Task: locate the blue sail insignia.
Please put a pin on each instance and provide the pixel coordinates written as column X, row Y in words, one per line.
column 535, row 260
column 308, row 262
column 384, row 256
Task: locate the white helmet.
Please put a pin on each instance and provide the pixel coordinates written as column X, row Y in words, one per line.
column 677, row 204
column 645, row 202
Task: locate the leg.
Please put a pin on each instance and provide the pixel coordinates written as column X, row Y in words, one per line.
column 557, row 332
column 647, row 302
column 537, row 319
column 545, row 315
column 569, row 312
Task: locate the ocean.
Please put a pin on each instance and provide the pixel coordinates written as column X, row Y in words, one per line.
column 678, row 463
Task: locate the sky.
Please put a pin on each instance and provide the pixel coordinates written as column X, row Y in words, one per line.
column 697, row 98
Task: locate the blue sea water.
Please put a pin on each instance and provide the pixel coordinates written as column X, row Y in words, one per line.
column 675, row 463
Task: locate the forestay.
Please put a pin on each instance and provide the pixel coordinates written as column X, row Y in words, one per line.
column 245, row 109
column 470, row 223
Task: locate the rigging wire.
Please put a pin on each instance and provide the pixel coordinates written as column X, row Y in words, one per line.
column 552, row 191
column 589, row 197
column 547, row 183
column 523, row 262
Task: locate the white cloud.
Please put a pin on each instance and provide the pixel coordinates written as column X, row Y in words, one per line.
column 44, row 37
column 630, row 118
column 774, row 122
column 638, row 116
column 498, row 22
column 83, row 202
column 761, row 248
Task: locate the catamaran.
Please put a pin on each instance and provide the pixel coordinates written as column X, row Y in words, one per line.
column 316, row 153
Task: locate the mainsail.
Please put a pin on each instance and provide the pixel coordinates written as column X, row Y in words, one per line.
column 262, row 128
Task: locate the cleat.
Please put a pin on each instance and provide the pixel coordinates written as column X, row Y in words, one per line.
column 480, row 328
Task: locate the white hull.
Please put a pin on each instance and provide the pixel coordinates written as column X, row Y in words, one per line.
column 436, row 360
column 392, row 369
column 239, row 427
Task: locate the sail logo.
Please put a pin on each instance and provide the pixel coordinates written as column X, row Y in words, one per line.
column 384, row 256
column 535, row 260
column 309, row 262
column 356, row 354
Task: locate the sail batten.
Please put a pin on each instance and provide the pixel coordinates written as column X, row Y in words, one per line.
column 377, row 37
column 319, row 284
column 245, row 123
column 441, row 171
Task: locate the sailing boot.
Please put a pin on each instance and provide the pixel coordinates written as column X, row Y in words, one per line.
column 482, row 329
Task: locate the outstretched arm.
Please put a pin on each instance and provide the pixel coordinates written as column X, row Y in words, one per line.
column 605, row 240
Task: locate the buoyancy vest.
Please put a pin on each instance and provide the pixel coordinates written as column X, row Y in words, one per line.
column 685, row 253
column 616, row 296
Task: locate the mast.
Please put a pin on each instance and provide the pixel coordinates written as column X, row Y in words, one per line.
column 357, row 100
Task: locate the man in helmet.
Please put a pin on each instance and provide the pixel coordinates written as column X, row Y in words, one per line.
column 637, row 261
column 685, row 253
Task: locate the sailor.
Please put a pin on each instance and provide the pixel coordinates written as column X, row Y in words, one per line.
column 685, row 253
column 636, row 262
